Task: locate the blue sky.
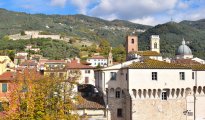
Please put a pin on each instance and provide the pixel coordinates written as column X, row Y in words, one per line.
column 150, row 12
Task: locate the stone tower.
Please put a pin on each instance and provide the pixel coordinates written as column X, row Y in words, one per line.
column 131, row 44
column 155, row 43
column 110, row 58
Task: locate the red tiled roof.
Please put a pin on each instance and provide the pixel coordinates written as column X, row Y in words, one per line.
column 147, row 53
column 91, row 103
column 97, row 57
column 29, row 63
column 185, row 61
column 55, row 61
column 155, row 64
column 20, row 57
column 75, row 65
column 7, row 76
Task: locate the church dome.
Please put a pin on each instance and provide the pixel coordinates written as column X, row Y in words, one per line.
column 183, row 49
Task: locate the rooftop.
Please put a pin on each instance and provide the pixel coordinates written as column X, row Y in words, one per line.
column 7, row 76
column 147, row 53
column 90, row 99
column 155, row 64
column 29, row 63
column 97, row 57
column 185, row 62
column 74, row 64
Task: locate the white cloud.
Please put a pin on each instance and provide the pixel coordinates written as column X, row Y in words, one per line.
column 144, row 21
column 60, row 3
column 82, row 5
column 131, row 9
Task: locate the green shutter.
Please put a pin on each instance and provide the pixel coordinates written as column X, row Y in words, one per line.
column 1, row 107
column 4, row 87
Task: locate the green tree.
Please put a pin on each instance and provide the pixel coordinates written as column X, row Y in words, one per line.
column 104, row 47
column 23, row 33
column 119, row 54
column 6, row 37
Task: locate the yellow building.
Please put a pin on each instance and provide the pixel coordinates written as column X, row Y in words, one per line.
column 6, row 64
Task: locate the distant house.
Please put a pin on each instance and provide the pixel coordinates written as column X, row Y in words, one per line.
column 5, row 87
column 98, row 61
column 22, row 54
column 54, row 68
column 19, row 59
column 30, row 64
column 6, row 64
column 87, row 72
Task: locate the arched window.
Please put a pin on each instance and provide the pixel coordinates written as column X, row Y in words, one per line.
column 112, row 92
column 133, row 41
column 118, row 93
column 134, row 92
column 155, row 45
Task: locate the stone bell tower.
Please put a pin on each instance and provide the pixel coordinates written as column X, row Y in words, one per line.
column 131, row 44
column 155, row 43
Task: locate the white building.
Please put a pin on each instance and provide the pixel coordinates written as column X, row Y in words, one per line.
column 148, row 80
column 148, row 89
column 98, row 61
column 86, row 72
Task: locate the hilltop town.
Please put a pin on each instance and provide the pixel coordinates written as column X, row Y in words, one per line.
column 146, row 82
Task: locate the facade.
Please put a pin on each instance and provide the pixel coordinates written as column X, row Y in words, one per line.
column 53, row 68
column 97, row 61
column 155, row 43
column 164, row 90
column 6, row 64
column 5, row 88
column 86, row 72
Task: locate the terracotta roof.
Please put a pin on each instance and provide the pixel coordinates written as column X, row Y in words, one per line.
column 97, row 57
column 55, row 61
column 147, row 53
column 88, row 99
column 29, row 63
column 91, row 103
column 74, row 64
column 155, row 64
column 185, row 61
column 199, row 67
column 7, row 76
column 20, row 57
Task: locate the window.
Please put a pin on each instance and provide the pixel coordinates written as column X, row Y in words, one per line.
column 86, row 80
column 87, row 71
column 113, row 75
column 154, row 75
column 133, row 41
column 164, row 95
column 182, row 75
column 155, row 45
column 4, row 87
column 192, row 75
column 51, row 74
column 119, row 112
column 60, row 74
column 117, row 94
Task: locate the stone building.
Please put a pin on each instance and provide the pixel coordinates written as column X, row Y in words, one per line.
column 147, row 88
